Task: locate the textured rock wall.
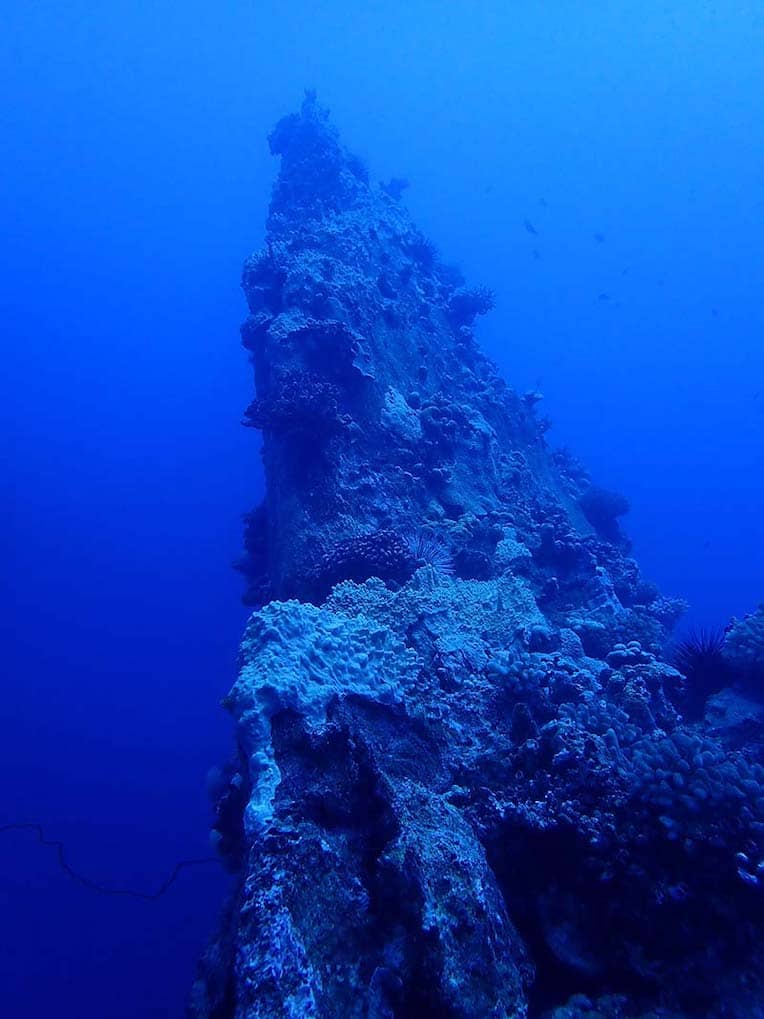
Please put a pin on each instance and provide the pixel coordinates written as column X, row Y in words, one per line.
column 464, row 786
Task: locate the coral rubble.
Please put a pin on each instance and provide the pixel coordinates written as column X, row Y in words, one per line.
column 465, row 786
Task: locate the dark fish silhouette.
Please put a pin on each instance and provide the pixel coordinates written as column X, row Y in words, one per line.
column 537, row 254
column 530, row 227
column 599, row 238
column 604, row 297
column 543, row 203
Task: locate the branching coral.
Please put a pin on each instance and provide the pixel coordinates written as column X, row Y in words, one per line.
column 383, row 554
column 467, row 303
column 299, row 404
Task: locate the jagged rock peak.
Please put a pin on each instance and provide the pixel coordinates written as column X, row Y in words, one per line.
column 317, row 173
column 383, row 422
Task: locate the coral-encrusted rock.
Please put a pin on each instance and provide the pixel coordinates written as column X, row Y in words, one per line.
column 743, row 649
column 465, row 787
column 297, row 657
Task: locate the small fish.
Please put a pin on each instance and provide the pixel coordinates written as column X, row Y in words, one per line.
column 537, row 254
column 543, row 203
column 603, row 297
column 530, row 227
column 715, row 312
column 599, row 238
column 532, row 397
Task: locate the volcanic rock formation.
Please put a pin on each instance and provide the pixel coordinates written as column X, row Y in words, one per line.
column 464, row 787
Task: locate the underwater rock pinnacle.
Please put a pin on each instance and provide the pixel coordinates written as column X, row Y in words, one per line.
column 464, row 787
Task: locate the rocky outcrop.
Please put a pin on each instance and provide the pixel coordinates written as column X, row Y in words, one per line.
column 464, row 787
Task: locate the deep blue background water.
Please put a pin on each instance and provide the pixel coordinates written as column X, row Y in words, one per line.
column 135, row 177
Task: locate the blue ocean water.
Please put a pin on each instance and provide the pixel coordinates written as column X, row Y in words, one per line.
column 600, row 170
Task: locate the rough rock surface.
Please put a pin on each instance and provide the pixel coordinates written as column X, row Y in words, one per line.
column 463, row 785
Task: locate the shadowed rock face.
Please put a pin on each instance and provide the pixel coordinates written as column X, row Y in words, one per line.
column 463, row 787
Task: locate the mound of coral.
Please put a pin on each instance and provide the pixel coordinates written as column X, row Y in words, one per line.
column 464, row 786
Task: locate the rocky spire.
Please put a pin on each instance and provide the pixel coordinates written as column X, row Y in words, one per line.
column 464, row 786
column 381, row 419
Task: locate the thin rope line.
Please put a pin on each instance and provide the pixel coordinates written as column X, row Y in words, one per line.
column 94, row 885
